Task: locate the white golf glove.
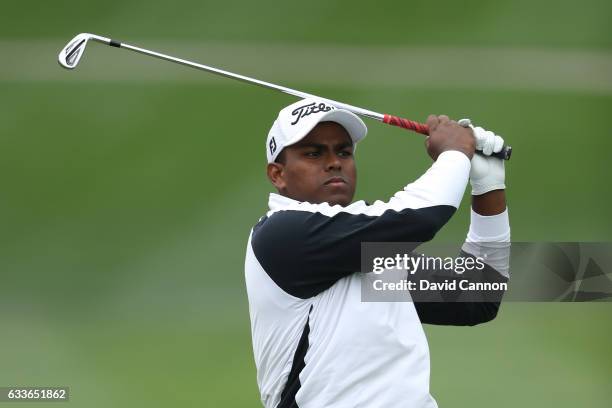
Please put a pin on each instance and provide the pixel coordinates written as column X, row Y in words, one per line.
column 487, row 173
column 486, row 141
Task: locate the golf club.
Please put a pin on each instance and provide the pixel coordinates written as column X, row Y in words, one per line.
column 72, row 53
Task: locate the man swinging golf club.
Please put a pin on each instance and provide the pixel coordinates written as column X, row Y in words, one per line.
column 316, row 344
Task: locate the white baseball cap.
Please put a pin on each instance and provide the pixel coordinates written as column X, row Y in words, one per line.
column 295, row 121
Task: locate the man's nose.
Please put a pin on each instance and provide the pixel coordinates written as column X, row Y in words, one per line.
column 333, row 163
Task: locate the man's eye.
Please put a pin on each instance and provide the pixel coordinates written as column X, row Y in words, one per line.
column 312, row 154
column 345, row 153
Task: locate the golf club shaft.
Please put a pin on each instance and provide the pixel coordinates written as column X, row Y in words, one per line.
column 389, row 119
column 354, row 109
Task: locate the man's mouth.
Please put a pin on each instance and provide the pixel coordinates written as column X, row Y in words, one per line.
column 336, row 181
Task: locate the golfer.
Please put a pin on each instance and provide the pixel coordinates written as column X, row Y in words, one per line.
column 316, row 343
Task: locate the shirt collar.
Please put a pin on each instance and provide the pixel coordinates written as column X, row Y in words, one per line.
column 278, row 202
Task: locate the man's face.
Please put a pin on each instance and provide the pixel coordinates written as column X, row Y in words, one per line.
column 319, row 168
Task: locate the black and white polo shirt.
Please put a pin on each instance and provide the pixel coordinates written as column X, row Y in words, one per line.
column 315, row 343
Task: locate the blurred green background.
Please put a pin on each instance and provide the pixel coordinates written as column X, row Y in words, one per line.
column 129, row 185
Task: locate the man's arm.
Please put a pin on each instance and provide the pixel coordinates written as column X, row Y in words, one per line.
column 489, row 237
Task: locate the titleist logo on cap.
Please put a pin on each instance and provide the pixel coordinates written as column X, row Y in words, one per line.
column 305, row 110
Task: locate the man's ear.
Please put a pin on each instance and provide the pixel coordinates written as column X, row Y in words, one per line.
column 275, row 174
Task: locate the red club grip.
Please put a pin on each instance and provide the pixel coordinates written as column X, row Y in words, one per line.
column 423, row 129
column 406, row 124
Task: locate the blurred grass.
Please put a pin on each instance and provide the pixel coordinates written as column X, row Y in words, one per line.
column 129, row 210
column 559, row 24
column 125, row 207
column 534, row 354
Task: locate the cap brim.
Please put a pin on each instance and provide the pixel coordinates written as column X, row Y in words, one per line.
column 353, row 124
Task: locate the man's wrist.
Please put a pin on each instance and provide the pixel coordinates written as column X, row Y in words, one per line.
column 490, row 203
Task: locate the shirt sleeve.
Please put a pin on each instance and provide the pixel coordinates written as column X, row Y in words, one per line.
column 489, row 239
column 306, row 248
